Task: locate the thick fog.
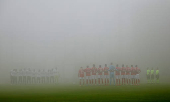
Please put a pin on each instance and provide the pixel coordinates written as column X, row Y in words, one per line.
column 68, row 34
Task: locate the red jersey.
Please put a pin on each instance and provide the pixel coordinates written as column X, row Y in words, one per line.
column 133, row 71
column 100, row 70
column 88, row 70
column 137, row 70
column 106, row 71
column 94, row 70
column 128, row 70
column 123, row 70
column 118, row 72
column 81, row 73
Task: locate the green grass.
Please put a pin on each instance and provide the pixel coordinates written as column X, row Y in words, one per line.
column 59, row 93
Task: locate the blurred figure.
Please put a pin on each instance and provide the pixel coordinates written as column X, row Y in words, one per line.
column 51, row 76
column 148, row 75
column 123, row 70
column 137, row 75
column 38, row 76
column 56, row 76
column 28, row 76
column 81, row 75
column 43, row 76
column 33, row 76
column 12, row 76
column 94, row 71
column 106, row 74
column 128, row 70
column 133, row 73
column 24, row 76
column 15, row 76
column 100, row 70
column 118, row 75
column 157, row 75
column 112, row 69
column 88, row 74
column 20, row 77
column 152, row 75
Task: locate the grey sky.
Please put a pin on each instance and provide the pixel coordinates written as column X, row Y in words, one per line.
column 50, row 33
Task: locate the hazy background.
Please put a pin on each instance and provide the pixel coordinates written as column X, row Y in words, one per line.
column 68, row 34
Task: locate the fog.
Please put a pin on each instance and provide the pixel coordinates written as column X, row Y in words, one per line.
column 68, row 34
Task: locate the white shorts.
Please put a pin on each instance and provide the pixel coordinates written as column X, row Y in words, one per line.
column 133, row 76
column 94, row 77
column 81, row 77
column 99, row 76
column 128, row 76
column 117, row 76
column 106, row 76
column 123, row 76
column 88, row 77
column 137, row 76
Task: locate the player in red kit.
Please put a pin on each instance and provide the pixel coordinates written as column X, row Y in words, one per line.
column 100, row 70
column 106, row 74
column 81, row 75
column 123, row 70
column 133, row 72
column 88, row 75
column 94, row 71
column 118, row 75
column 137, row 75
column 128, row 70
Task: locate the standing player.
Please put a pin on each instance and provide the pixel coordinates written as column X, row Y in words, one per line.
column 38, row 76
column 20, row 77
column 33, row 76
column 123, row 70
column 137, row 75
column 88, row 74
column 112, row 69
column 157, row 75
column 81, row 75
column 148, row 75
column 133, row 74
column 106, row 74
column 24, row 76
column 118, row 75
column 12, row 77
column 128, row 70
column 152, row 75
column 94, row 71
column 100, row 70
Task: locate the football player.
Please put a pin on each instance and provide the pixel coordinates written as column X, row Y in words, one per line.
column 118, row 75
column 94, row 71
column 123, row 70
column 106, row 74
column 137, row 75
column 152, row 75
column 81, row 75
column 157, row 75
column 133, row 71
column 100, row 70
column 112, row 69
column 88, row 75
column 128, row 70
column 148, row 75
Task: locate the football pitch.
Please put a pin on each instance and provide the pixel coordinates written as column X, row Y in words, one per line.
column 64, row 93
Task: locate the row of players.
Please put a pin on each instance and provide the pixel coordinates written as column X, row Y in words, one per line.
column 128, row 75
column 28, row 76
column 150, row 75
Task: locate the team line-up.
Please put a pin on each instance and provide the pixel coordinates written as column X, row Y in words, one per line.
column 124, row 75
column 28, row 76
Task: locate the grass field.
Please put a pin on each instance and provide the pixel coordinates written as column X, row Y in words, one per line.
column 58, row 93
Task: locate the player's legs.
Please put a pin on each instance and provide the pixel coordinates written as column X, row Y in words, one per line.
column 98, row 79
